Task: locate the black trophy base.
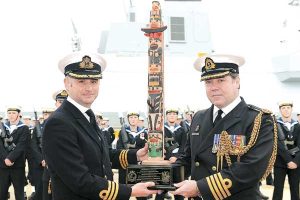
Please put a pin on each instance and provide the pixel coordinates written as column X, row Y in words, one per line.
column 164, row 176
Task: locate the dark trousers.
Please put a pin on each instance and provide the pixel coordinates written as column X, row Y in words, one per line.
column 37, row 174
column 279, row 178
column 14, row 176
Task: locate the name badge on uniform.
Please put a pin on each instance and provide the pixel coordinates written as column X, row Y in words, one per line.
column 195, row 133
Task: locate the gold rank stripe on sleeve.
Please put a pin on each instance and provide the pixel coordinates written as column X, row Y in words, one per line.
column 111, row 193
column 217, row 191
column 211, row 188
column 123, row 159
column 218, row 186
column 225, row 183
column 120, row 158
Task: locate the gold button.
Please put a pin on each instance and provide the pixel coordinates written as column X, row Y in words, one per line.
column 214, row 168
column 197, row 164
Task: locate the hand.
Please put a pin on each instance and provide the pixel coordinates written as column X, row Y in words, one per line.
column 187, row 188
column 141, row 189
column 8, row 162
column 292, row 165
column 142, row 154
column 172, row 159
column 43, row 163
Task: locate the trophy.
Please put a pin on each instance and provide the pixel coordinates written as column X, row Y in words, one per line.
column 155, row 169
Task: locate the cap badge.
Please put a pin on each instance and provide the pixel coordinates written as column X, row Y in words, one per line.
column 64, row 93
column 209, row 64
column 86, row 63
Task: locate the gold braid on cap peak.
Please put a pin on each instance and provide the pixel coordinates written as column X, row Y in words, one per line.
column 227, row 148
column 85, row 75
column 215, row 75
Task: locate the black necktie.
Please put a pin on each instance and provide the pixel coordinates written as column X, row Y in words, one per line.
column 219, row 117
column 93, row 122
column 106, row 163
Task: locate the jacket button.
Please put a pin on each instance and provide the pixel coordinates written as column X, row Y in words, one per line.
column 214, row 168
column 197, row 164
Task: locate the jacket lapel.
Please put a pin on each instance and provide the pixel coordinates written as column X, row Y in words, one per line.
column 205, row 127
column 82, row 121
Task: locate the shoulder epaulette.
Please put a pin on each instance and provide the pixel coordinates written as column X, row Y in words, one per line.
column 266, row 111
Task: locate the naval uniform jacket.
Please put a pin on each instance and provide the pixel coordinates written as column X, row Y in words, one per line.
column 21, row 138
column 76, row 158
column 240, row 180
column 36, row 145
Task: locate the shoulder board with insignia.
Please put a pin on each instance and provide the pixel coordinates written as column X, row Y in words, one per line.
column 266, row 111
column 252, row 107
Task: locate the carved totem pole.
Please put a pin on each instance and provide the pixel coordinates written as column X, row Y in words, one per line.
column 155, row 101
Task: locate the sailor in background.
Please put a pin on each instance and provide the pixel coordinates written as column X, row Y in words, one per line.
column 141, row 123
column 288, row 156
column 27, row 121
column 108, row 131
column 175, row 139
column 188, row 119
column 40, row 177
column 14, row 141
column 231, row 145
column 99, row 118
column 131, row 136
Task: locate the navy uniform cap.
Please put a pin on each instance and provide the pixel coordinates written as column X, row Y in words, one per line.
column 14, row 108
column 172, row 110
column 131, row 113
column 285, row 103
column 48, row 110
column 189, row 112
column 60, row 95
column 218, row 65
column 83, row 65
column 105, row 119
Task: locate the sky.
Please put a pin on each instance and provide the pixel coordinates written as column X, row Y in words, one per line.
column 36, row 34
